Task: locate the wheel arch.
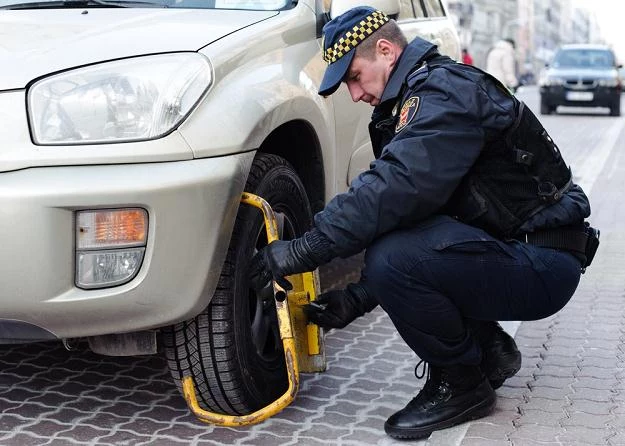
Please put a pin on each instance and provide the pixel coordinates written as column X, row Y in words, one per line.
column 297, row 142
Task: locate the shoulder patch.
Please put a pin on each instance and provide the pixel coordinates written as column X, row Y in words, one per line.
column 408, row 111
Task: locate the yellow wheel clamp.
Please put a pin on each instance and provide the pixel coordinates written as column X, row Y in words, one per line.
column 302, row 341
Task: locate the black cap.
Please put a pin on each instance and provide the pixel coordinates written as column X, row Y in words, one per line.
column 341, row 36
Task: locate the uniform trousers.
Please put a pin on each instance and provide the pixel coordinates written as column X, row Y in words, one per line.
column 438, row 281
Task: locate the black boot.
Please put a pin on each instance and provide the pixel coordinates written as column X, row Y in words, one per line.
column 501, row 359
column 450, row 396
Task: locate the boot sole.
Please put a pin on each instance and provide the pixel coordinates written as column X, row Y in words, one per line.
column 480, row 410
column 498, row 376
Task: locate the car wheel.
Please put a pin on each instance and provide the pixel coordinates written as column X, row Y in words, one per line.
column 233, row 350
column 615, row 110
column 545, row 109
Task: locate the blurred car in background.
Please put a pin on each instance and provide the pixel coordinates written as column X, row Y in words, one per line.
column 582, row 75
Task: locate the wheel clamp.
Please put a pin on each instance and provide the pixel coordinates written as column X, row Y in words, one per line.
column 302, row 341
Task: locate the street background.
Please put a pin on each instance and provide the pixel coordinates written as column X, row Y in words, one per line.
column 570, row 390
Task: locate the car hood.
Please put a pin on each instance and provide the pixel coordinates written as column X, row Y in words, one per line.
column 575, row 73
column 34, row 43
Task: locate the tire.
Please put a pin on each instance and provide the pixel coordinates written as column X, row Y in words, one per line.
column 615, row 110
column 545, row 109
column 232, row 350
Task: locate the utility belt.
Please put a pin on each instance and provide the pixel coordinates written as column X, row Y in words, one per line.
column 581, row 241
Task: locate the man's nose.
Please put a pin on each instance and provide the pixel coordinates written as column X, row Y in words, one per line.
column 355, row 91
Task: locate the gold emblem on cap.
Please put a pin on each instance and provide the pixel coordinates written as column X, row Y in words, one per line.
column 353, row 37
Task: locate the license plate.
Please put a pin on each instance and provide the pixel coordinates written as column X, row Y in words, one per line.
column 579, row 96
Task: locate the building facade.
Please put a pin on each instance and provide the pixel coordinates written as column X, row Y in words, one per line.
column 537, row 26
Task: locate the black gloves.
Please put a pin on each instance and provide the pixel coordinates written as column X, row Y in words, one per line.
column 282, row 258
column 336, row 309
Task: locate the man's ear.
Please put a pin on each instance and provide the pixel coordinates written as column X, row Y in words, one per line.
column 387, row 49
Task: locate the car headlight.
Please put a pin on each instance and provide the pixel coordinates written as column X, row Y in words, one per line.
column 608, row 82
column 552, row 82
column 126, row 100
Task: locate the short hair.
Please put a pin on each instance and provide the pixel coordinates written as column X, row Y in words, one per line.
column 389, row 31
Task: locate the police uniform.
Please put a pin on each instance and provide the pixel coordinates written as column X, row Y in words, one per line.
column 440, row 246
column 468, row 215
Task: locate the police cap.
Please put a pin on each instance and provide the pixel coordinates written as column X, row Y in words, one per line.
column 341, row 36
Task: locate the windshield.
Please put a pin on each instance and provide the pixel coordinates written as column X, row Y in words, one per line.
column 584, row 58
column 263, row 5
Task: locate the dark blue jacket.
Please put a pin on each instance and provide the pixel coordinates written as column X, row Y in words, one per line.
column 429, row 149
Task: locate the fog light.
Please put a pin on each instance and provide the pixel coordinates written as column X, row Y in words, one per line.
column 99, row 269
column 110, row 245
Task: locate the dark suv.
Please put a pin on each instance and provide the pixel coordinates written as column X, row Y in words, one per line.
column 582, row 75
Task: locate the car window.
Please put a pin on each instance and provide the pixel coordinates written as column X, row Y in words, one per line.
column 434, row 8
column 583, row 58
column 409, row 9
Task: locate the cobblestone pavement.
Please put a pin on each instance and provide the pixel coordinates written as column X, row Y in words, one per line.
column 570, row 390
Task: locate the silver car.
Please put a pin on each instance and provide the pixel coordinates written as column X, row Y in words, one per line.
column 129, row 131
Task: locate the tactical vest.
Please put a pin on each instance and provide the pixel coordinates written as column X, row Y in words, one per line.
column 518, row 173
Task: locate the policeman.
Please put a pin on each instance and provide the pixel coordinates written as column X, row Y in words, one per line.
column 468, row 216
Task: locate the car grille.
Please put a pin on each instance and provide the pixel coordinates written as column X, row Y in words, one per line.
column 580, row 84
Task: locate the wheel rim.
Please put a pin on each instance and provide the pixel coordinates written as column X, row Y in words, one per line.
column 263, row 318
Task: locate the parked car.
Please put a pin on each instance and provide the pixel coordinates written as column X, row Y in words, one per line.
column 582, row 75
column 129, row 132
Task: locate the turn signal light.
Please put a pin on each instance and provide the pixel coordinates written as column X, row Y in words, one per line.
column 111, row 228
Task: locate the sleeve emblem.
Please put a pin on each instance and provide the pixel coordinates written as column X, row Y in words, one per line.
column 408, row 111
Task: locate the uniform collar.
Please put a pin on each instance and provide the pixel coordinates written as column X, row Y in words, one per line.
column 414, row 53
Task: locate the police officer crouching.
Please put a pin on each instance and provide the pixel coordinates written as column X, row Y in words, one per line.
column 468, row 216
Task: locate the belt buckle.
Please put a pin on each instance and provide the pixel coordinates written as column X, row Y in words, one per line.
column 526, row 239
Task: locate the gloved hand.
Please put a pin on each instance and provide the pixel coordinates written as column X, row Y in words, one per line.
column 337, row 308
column 281, row 258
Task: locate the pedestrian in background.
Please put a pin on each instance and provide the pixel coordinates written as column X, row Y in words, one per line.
column 468, row 215
column 500, row 62
column 466, row 57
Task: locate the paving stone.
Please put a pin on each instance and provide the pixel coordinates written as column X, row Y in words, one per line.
column 596, row 372
column 553, row 393
column 10, row 422
column 584, row 435
column 597, row 395
column 23, row 439
column 534, row 431
column 557, row 382
column 593, row 407
column 363, row 436
column 540, row 417
column 588, row 382
column 585, row 419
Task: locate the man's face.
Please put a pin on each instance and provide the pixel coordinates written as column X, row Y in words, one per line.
column 367, row 77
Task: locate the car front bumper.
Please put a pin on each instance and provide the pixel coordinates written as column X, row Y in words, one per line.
column 596, row 97
column 191, row 207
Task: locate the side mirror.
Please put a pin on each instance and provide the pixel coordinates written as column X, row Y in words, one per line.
column 389, row 7
column 619, row 66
